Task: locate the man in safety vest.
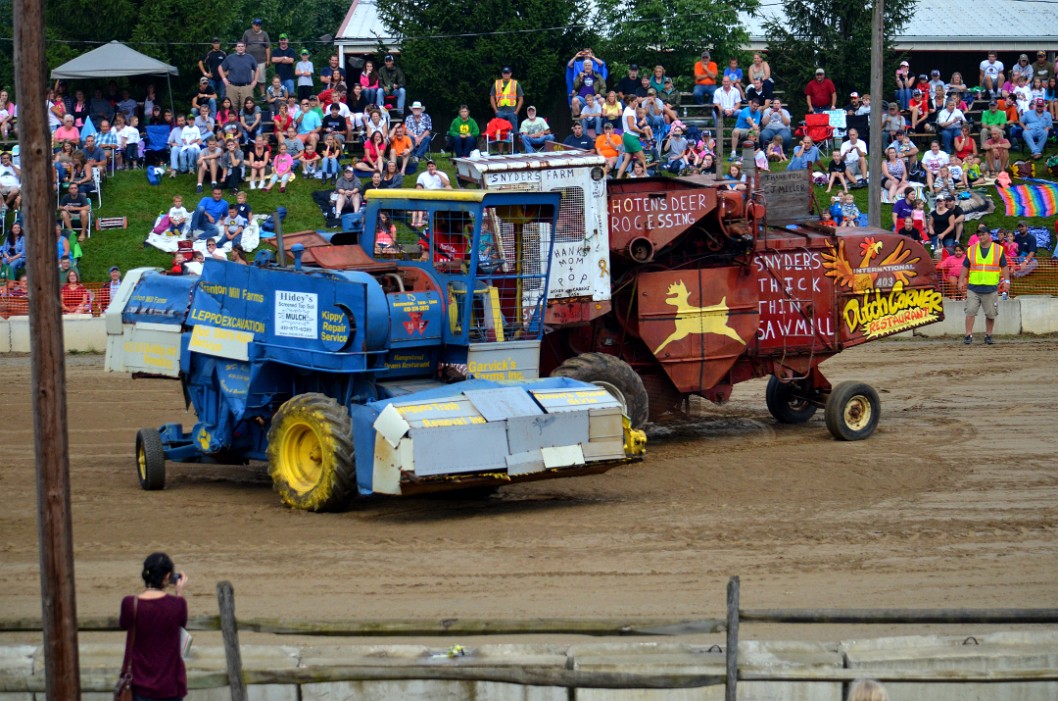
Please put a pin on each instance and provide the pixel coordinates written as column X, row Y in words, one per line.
column 506, row 98
column 982, row 269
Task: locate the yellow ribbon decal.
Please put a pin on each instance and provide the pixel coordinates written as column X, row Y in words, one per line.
column 603, row 269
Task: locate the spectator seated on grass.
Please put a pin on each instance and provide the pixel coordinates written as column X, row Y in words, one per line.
column 347, row 193
column 208, row 213
column 932, row 161
column 209, row 162
column 13, row 253
column 805, row 155
column 1026, row 250
column 74, row 204
column 258, row 160
column 854, row 151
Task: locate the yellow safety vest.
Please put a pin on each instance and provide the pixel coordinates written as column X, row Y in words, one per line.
column 506, row 97
column 984, row 267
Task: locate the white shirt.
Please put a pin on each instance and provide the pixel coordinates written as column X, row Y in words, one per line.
column 992, row 70
column 852, row 152
column 630, row 112
column 437, row 181
column 1023, row 95
column 945, row 116
column 727, row 99
column 8, row 177
column 131, row 135
column 933, row 162
column 190, row 135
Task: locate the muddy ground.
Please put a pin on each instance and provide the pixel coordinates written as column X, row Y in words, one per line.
column 952, row 503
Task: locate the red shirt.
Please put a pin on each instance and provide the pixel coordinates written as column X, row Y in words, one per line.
column 820, row 92
column 157, row 667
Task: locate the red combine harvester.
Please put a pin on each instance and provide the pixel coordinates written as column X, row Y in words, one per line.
column 711, row 287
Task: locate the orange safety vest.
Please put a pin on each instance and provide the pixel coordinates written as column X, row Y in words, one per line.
column 506, row 97
column 984, row 268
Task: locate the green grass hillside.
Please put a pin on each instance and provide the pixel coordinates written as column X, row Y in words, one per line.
column 129, row 194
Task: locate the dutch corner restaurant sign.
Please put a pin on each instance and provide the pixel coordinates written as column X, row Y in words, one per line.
column 878, row 291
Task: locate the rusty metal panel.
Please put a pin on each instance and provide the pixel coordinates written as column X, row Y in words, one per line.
column 658, row 210
column 697, row 322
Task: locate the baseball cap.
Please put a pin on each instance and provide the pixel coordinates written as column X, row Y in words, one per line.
column 934, row 72
column 203, row 80
column 348, row 169
column 1023, row 223
column 506, row 69
column 114, row 267
column 894, row 106
column 1040, row 101
column 1023, row 56
column 904, row 63
column 283, row 36
column 304, row 52
column 706, row 53
column 854, row 94
column 258, row 20
column 389, row 57
column 633, row 66
column 916, row 92
column 820, row 71
column 216, row 40
column 430, row 161
column 530, row 107
column 993, row 103
column 1041, row 53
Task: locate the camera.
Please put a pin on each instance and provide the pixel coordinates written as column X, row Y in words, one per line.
column 175, row 577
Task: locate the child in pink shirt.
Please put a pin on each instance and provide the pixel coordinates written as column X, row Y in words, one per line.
column 282, row 169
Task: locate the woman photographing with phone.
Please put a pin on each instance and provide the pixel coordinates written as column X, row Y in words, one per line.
column 154, row 619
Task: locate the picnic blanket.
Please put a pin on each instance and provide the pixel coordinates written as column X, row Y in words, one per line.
column 1038, row 199
column 251, row 237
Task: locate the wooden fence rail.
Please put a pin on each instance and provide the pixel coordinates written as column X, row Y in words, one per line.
column 470, row 669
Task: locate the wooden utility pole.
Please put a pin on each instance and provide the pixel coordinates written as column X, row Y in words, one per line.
column 874, row 144
column 58, row 601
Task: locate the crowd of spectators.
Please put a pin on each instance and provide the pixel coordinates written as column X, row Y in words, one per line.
column 265, row 112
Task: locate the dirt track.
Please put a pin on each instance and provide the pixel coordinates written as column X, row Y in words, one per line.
column 953, row 502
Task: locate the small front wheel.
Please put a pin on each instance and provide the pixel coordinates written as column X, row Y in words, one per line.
column 852, row 411
column 150, row 459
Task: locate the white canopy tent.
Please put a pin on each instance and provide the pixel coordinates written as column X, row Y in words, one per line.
column 115, row 60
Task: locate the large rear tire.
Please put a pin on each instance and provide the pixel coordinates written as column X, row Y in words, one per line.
column 150, row 459
column 784, row 405
column 615, row 376
column 310, row 453
column 852, row 412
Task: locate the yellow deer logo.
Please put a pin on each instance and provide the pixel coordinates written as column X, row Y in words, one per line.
column 697, row 320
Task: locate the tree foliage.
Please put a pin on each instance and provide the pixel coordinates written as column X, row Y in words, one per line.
column 177, row 33
column 671, row 33
column 836, row 35
column 534, row 37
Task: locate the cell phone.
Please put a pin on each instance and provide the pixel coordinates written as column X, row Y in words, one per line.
column 175, row 577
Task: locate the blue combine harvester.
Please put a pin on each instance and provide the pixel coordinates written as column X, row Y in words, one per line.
column 373, row 367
